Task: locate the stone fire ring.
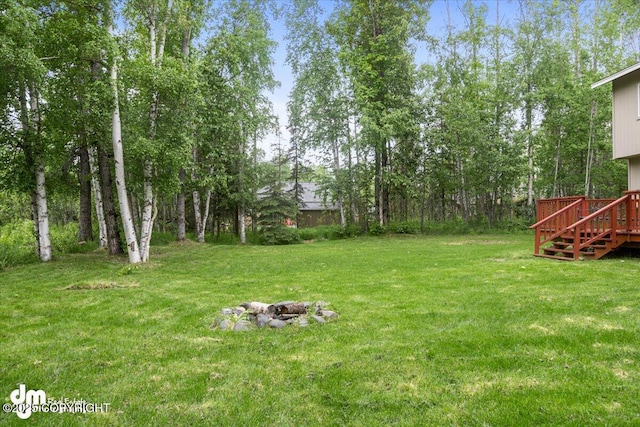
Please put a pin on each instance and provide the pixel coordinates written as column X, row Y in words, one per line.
column 252, row 315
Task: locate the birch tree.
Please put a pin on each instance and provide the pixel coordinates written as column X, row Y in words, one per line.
column 22, row 78
column 133, row 248
column 154, row 118
column 156, row 15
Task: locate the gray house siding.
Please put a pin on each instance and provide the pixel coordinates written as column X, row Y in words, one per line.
column 626, row 119
column 626, row 122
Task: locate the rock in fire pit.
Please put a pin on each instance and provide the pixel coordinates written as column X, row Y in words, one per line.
column 250, row 315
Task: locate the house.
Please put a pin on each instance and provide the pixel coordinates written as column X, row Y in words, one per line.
column 570, row 228
column 315, row 209
column 626, row 119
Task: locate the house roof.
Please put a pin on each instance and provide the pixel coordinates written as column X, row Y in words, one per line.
column 313, row 198
column 616, row 76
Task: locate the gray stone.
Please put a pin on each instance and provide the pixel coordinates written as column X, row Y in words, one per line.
column 224, row 324
column 318, row 319
column 303, row 322
column 226, row 311
column 321, row 304
column 242, row 325
column 329, row 314
column 239, row 310
column 262, row 320
column 277, row 323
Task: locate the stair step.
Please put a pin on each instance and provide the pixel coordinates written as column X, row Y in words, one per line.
column 560, row 244
column 552, row 250
column 561, row 258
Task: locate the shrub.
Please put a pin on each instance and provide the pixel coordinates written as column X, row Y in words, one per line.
column 64, row 238
column 405, row 227
column 17, row 244
column 279, row 236
column 455, row 226
column 224, row 238
column 376, row 229
column 329, row 232
column 307, row 233
column 162, row 239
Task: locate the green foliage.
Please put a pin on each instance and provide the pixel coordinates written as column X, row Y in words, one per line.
column 375, row 229
column 225, row 238
column 405, row 227
column 455, row 227
column 279, row 235
column 17, row 244
column 329, row 232
column 14, row 207
column 275, row 206
column 162, row 239
column 127, row 270
column 64, row 240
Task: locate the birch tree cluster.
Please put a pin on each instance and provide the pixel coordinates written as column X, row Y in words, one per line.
column 146, row 111
column 145, row 115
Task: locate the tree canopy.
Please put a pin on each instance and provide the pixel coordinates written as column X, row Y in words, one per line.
column 398, row 117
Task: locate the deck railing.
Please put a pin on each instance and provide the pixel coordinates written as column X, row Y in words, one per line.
column 587, row 220
column 551, row 224
column 601, row 225
column 548, row 207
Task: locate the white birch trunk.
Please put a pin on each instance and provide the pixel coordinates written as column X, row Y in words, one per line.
column 242, row 225
column 97, row 197
column 196, row 209
column 43, row 215
column 121, row 187
column 336, row 167
column 34, row 220
column 147, row 212
column 205, row 217
column 181, row 208
column 156, row 53
column 201, row 217
column 42, row 212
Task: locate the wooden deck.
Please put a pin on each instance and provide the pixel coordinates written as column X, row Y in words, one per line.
column 571, row 228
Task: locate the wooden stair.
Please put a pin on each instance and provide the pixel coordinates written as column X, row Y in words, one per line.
column 562, row 249
column 585, row 229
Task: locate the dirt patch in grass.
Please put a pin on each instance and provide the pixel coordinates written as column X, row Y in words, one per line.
column 90, row 286
column 476, row 242
column 591, row 322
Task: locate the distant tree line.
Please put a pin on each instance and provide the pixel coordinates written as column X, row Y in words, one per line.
column 144, row 115
column 496, row 116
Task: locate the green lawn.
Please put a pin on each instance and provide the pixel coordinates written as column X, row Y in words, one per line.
column 465, row 330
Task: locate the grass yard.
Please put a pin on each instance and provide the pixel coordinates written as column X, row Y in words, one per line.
column 439, row 331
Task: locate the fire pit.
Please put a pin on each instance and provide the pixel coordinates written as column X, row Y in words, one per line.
column 251, row 315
